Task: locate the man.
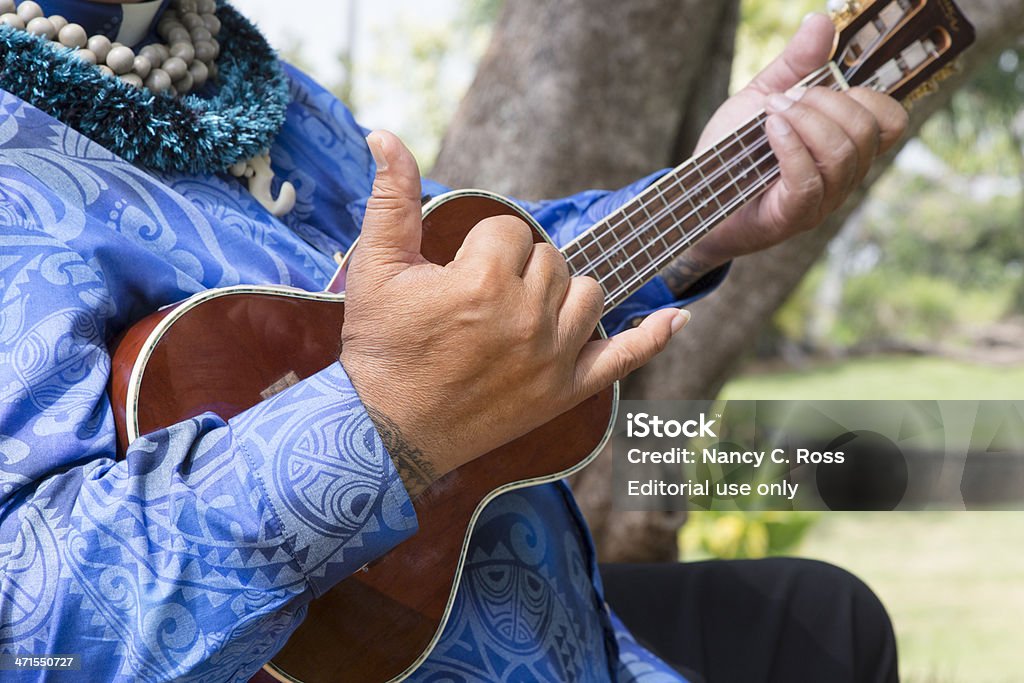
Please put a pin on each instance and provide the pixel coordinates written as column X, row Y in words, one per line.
column 195, row 557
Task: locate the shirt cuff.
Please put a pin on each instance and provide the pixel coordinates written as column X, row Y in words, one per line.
column 331, row 483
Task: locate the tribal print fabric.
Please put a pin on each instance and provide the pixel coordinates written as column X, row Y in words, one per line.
column 195, row 558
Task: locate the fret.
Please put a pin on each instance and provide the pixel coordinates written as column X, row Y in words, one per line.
column 643, row 236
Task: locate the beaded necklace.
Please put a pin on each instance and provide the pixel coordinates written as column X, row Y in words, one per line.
column 228, row 123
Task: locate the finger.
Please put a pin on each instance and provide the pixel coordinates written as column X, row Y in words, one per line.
column 603, row 361
column 807, row 51
column 859, row 123
column 890, row 115
column 829, row 145
column 497, row 244
column 393, row 227
column 796, row 199
column 547, row 272
column 580, row 311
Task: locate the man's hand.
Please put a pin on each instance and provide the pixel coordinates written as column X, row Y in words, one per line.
column 824, row 141
column 453, row 361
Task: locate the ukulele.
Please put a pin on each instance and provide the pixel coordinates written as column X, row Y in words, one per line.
column 383, row 621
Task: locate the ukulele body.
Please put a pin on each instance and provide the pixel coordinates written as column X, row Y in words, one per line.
column 225, row 350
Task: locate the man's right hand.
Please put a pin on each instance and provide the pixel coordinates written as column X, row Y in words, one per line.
column 453, row 361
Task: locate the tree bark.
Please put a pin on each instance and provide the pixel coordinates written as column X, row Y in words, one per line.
column 575, row 94
column 594, row 93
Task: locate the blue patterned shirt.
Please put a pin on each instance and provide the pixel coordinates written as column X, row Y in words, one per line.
column 195, row 557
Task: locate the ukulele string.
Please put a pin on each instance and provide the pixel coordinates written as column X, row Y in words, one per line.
column 815, row 79
column 687, row 239
column 704, row 183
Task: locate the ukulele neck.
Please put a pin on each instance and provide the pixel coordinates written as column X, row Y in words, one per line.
column 633, row 244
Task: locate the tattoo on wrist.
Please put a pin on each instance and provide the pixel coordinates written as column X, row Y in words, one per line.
column 416, row 471
column 683, row 273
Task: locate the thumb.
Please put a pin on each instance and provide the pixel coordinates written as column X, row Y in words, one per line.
column 392, row 226
column 807, row 51
column 603, row 361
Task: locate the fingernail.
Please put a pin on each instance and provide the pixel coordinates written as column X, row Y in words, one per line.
column 796, row 93
column 778, row 125
column 777, row 102
column 809, row 16
column 377, row 150
column 679, row 322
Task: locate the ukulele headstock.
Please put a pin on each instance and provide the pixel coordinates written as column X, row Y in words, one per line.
column 899, row 47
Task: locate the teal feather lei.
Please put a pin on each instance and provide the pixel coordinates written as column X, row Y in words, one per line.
column 193, row 134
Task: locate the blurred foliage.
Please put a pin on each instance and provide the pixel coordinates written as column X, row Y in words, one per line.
column 765, row 27
column 739, row 535
column 982, row 131
column 942, row 228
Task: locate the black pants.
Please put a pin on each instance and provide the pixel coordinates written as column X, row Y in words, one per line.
column 756, row 621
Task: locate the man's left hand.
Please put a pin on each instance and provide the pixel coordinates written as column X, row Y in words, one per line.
column 825, row 142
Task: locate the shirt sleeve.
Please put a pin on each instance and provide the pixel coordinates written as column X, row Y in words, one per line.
column 565, row 219
column 195, row 556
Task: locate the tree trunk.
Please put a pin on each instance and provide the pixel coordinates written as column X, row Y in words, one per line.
column 575, row 94
column 593, row 93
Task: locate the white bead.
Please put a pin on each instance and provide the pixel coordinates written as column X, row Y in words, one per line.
column 132, row 79
column 167, row 25
column 41, row 26
column 192, row 20
column 142, row 66
column 200, row 33
column 100, row 45
column 205, row 51
column 175, row 68
column 105, row 70
column 206, row 6
column 178, row 34
column 158, row 80
column 186, row 6
column 212, row 23
column 73, row 35
column 86, row 55
column 7, row 7
column 185, row 51
column 152, row 53
column 199, row 73
column 29, row 10
column 184, row 84
column 58, row 22
column 13, row 20
column 120, row 59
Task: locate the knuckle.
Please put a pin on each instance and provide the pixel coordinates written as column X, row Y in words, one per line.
column 479, row 285
column 550, row 255
column 812, row 189
column 845, row 153
column 506, row 229
column 592, row 294
column 900, row 118
column 626, row 362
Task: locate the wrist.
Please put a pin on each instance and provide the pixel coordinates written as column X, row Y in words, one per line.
column 687, row 269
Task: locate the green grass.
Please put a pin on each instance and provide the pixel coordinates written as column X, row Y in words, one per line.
column 953, row 583
column 883, row 377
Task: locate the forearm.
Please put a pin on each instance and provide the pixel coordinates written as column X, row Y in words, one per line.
column 685, row 271
column 224, row 531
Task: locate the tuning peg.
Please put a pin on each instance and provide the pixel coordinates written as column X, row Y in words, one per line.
column 843, row 11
